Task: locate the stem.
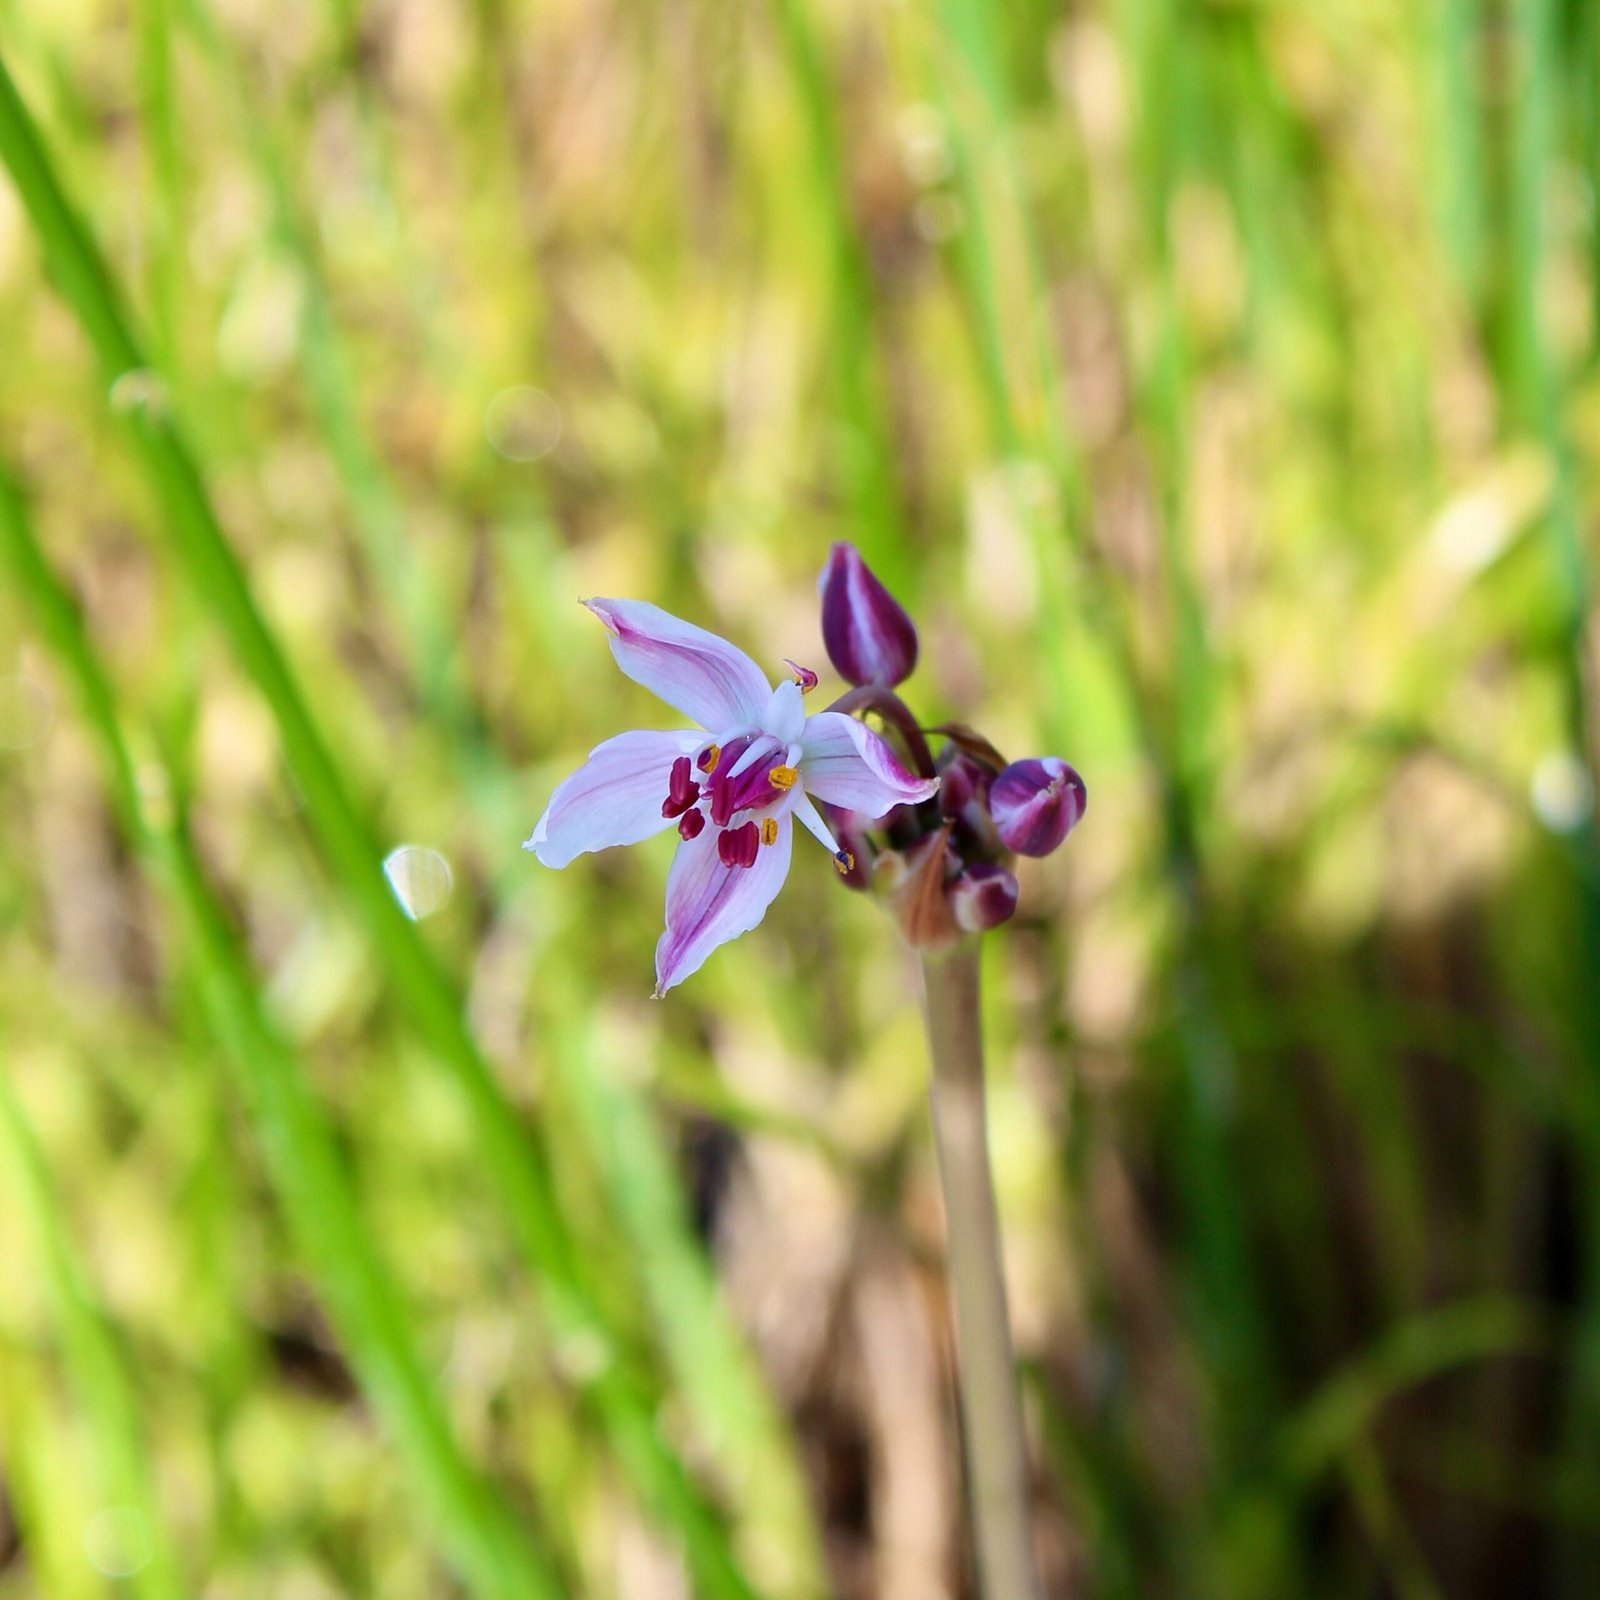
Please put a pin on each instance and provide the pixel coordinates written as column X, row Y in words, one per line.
column 991, row 1415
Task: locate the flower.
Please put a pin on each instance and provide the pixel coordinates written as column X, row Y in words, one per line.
column 732, row 787
column 1036, row 803
column 868, row 636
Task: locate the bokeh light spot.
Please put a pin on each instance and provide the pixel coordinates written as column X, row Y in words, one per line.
column 420, row 878
column 117, row 1542
column 1562, row 792
column 523, row 423
column 139, row 389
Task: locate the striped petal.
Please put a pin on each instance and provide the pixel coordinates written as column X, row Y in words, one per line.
column 704, row 677
column 613, row 798
column 709, row 904
column 845, row 763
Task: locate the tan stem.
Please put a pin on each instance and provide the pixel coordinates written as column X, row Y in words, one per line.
column 991, row 1414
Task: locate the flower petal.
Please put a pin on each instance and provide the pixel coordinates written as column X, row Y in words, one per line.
column 785, row 716
column 709, row 904
column 614, row 798
column 703, row 676
column 845, row 763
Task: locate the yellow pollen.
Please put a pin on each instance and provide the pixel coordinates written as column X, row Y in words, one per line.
column 769, row 830
column 711, row 756
column 784, row 777
column 845, row 862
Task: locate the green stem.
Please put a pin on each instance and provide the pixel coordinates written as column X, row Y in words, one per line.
column 991, row 1411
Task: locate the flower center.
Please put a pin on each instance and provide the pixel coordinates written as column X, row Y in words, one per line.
column 750, row 775
column 751, row 772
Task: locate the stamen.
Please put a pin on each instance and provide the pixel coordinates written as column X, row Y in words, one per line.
column 769, row 830
column 806, row 815
column 737, row 847
column 691, row 824
column 709, row 757
column 682, row 790
column 803, row 676
column 783, row 777
column 845, row 862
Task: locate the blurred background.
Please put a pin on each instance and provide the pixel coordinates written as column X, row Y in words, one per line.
column 1216, row 381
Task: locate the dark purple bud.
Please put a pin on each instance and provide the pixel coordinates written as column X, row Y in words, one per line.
column 869, row 637
column 962, row 781
column 1036, row 803
column 983, row 897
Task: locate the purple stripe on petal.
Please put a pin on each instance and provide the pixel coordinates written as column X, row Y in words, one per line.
column 709, row 904
column 845, row 763
column 1036, row 803
column 613, row 798
column 703, row 676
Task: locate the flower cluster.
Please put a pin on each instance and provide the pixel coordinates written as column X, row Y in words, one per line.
column 933, row 834
column 943, row 863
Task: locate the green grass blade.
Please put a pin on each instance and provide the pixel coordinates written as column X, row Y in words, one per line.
column 1336, row 1418
column 100, row 1375
column 621, row 1400
column 297, row 1141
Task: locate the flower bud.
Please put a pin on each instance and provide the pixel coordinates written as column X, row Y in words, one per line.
column 963, row 782
column 1036, row 803
column 964, row 785
column 869, row 638
column 983, row 897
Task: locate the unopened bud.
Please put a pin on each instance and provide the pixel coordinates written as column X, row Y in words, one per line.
column 983, row 897
column 962, row 782
column 1036, row 803
column 869, row 637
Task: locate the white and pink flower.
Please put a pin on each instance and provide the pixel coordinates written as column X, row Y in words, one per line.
column 733, row 786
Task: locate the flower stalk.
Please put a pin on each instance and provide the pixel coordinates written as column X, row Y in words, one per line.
column 991, row 1412
column 932, row 834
